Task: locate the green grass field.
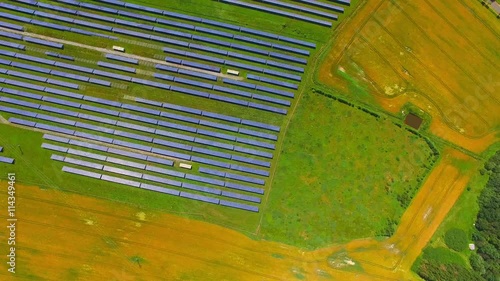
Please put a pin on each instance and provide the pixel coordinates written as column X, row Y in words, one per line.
column 342, row 174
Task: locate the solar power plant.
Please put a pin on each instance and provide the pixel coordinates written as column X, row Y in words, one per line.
column 248, row 139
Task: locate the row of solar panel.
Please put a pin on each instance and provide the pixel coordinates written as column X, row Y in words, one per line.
column 57, row 55
column 149, row 83
column 11, row 26
column 122, row 59
column 12, row 45
column 6, row 160
column 235, row 55
column 46, row 24
column 39, row 78
column 193, row 19
column 159, row 30
column 159, row 113
column 231, row 176
column 161, row 142
column 162, row 189
column 278, row 12
column 302, row 9
column 137, row 127
column 132, row 155
column 116, row 67
column 150, row 177
column 55, row 73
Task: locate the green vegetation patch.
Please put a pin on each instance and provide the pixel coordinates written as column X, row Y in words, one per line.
column 342, row 174
column 456, row 239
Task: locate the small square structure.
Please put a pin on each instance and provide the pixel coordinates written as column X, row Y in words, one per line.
column 413, row 121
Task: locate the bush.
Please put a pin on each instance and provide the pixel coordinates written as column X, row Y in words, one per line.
column 456, row 239
column 477, row 263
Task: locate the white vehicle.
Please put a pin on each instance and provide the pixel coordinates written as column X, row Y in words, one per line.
column 233, row 72
column 119, row 49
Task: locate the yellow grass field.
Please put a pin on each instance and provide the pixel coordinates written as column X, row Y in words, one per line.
column 440, row 56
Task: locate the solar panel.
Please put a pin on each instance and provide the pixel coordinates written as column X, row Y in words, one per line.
column 207, row 49
column 212, row 172
column 160, row 189
column 150, row 102
column 132, row 145
column 285, row 66
column 252, row 40
column 97, row 17
column 244, row 66
column 267, row 108
column 165, row 171
column 211, row 162
column 172, row 144
column 135, row 127
column 171, row 154
column 120, row 181
column 102, row 101
column 241, row 196
column 301, row 9
column 220, row 24
column 17, row 111
column 212, row 152
column 175, row 23
column 174, row 135
column 21, row 94
column 100, row 110
column 238, row 83
column 55, row 119
column 74, row 67
column 93, row 25
column 139, row 118
column 232, row 91
column 55, row 138
column 83, row 163
column 161, row 180
column 11, row 35
column 256, row 143
column 24, row 85
column 163, row 76
column 228, row 100
column 242, row 187
column 259, row 33
column 14, row 17
column 143, row 8
column 246, row 57
column 93, row 137
column 214, row 143
column 239, row 205
column 57, row 157
column 250, row 49
column 19, row 102
column 69, row 76
column 56, row 8
column 216, row 135
column 43, row 42
column 122, row 59
column 58, row 110
column 116, row 66
column 63, row 84
column 177, row 126
column 173, row 32
column 282, row 74
column 251, row 161
column 17, row 8
column 61, row 101
column 258, row 134
column 253, row 152
column 181, row 108
column 245, row 179
column 112, row 75
column 54, row 129
column 7, row 53
column 271, row 99
column 81, row 172
column 54, row 147
column 141, row 109
column 133, row 136
column 199, row 75
column 86, row 154
column 11, row 26
column 199, row 197
column 250, row 170
column 136, row 15
column 205, row 180
column 96, row 118
column 201, row 65
column 169, row 41
column 26, row 76
column 160, row 161
column 127, row 154
column 291, row 49
column 88, row 145
column 181, row 16
column 219, row 126
column 180, row 117
column 296, row 41
column 94, row 128
column 63, row 93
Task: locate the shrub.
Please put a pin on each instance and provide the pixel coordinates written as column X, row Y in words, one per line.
column 456, row 239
